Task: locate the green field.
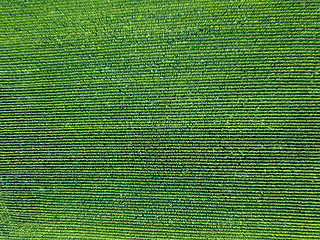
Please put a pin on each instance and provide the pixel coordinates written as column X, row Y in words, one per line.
column 159, row 119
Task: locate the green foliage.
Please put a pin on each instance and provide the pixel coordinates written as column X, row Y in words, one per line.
column 159, row 119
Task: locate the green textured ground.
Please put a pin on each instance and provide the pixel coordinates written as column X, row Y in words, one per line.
column 159, row 119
